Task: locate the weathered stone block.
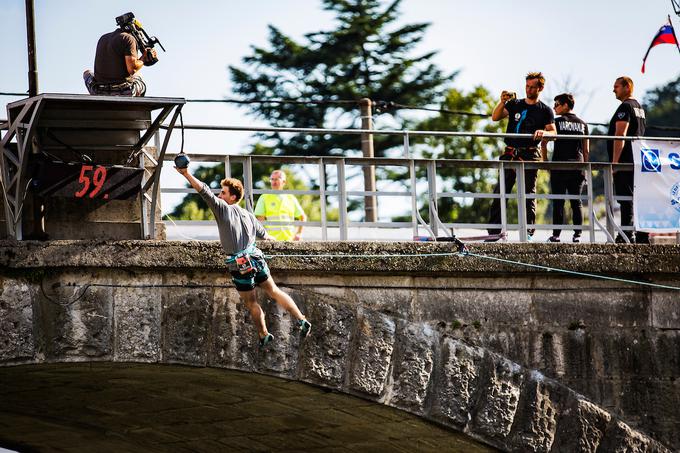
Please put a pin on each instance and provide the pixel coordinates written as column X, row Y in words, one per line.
column 665, row 310
column 456, row 386
column 580, row 427
column 501, row 382
column 666, row 349
column 187, row 313
column 620, row 438
column 413, row 365
column 76, row 318
column 392, row 301
column 234, row 338
column 620, row 308
column 16, row 320
column 371, row 361
column 325, row 352
column 282, row 357
column 137, row 319
column 469, row 306
column 536, row 418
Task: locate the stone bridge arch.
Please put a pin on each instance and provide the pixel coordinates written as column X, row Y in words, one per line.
column 106, row 306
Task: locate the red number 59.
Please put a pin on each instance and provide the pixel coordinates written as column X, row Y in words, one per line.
column 98, row 179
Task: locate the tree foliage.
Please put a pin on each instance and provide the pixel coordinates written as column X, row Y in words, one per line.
column 365, row 56
column 477, row 148
column 662, row 106
column 194, row 208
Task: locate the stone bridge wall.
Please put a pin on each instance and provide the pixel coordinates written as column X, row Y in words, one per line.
column 501, row 352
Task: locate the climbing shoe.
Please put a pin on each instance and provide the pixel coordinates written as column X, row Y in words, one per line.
column 305, row 327
column 264, row 341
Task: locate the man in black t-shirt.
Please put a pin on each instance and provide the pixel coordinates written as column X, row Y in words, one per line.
column 628, row 121
column 117, row 65
column 570, row 182
column 525, row 116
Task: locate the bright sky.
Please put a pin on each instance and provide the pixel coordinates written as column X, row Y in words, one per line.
column 579, row 45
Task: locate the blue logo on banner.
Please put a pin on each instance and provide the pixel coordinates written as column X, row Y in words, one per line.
column 675, row 196
column 650, row 160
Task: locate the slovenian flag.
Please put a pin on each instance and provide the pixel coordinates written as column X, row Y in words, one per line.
column 666, row 35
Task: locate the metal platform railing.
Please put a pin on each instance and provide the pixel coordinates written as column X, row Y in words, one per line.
column 418, row 189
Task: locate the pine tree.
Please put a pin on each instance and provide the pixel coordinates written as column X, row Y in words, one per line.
column 366, row 56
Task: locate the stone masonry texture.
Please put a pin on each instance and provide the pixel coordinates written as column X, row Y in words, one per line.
column 515, row 357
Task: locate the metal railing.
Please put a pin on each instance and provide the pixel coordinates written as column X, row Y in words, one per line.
column 414, row 191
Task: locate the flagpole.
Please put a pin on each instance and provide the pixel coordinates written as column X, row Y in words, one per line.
column 673, row 30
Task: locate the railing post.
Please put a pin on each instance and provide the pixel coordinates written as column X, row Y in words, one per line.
column 342, row 199
column 142, row 198
column 248, row 182
column 432, row 196
column 521, row 203
column 609, row 199
column 227, row 167
column 370, row 202
column 322, row 199
column 407, row 147
column 591, row 202
column 503, row 199
column 414, row 196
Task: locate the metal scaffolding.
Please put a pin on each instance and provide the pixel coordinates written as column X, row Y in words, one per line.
column 111, row 129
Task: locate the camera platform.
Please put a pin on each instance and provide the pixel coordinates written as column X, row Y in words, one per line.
column 83, row 162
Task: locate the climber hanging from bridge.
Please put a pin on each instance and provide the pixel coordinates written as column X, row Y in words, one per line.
column 238, row 230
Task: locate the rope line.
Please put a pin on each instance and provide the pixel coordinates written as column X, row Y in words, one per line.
column 488, row 257
column 462, row 253
column 567, row 271
column 380, row 107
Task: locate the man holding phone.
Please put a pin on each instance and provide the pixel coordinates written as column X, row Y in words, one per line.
column 525, row 116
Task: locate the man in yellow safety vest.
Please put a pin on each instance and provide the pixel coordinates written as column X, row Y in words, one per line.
column 280, row 208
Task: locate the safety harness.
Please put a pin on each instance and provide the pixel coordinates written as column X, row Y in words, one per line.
column 242, row 260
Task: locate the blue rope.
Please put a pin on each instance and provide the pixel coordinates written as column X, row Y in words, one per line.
column 487, row 257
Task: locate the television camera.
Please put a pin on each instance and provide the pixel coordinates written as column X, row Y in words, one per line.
column 129, row 24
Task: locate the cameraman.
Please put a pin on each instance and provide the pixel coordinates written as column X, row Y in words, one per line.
column 116, row 66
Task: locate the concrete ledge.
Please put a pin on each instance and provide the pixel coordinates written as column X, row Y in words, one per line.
column 651, row 261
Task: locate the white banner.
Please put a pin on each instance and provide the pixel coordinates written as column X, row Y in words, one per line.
column 656, row 198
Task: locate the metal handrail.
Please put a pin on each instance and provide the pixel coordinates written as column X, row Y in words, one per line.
column 435, row 226
column 409, row 133
column 431, row 165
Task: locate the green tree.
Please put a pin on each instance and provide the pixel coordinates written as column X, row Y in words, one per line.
column 662, row 106
column 193, row 207
column 366, row 56
column 457, row 179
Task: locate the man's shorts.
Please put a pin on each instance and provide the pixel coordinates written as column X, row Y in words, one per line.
column 135, row 86
column 248, row 281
